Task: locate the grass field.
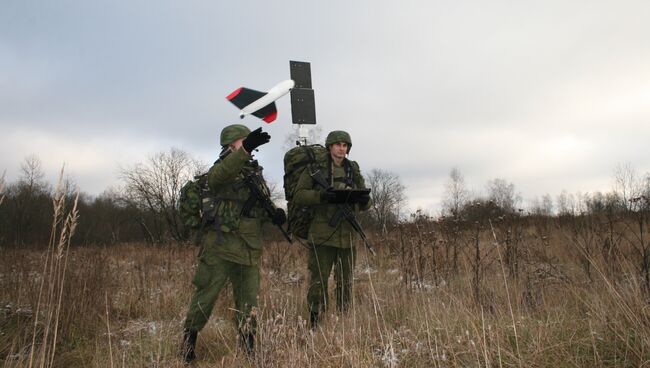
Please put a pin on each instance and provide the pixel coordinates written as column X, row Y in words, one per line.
column 551, row 303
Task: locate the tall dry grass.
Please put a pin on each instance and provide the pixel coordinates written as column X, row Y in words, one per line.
column 124, row 306
column 2, row 188
column 51, row 283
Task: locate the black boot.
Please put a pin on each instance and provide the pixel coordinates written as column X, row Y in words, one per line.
column 313, row 320
column 247, row 343
column 189, row 344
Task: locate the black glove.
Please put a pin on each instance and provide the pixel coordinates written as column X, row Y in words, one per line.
column 255, row 139
column 327, row 196
column 363, row 199
column 279, row 217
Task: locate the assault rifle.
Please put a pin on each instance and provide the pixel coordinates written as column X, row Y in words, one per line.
column 255, row 185
column 343, row 211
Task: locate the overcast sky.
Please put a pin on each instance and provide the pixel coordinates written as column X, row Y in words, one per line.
column 549, row 95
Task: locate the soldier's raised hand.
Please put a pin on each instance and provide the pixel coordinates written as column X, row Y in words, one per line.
column 255, row 139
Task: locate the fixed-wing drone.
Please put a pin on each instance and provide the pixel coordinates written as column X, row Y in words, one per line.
column 260, row 104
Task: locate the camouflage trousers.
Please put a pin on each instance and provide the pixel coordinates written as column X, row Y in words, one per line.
column 209, row 279
column 321, row 260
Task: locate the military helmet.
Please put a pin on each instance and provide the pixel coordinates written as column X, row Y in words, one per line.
column 338, row 136
column 232, row 133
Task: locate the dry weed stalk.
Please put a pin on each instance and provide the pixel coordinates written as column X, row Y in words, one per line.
column 505, row 284
column 631, row 306
column 2, row 188
column 53, row 279
column 108, row 328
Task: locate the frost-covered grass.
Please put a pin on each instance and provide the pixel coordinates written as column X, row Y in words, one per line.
column 123, row 306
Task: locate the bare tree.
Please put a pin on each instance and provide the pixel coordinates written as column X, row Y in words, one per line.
column 155, row 186
column 627, row 184
column 388, row 196
column 631, row 189
column 599, row 202
column 456, row 194
column 276, row 193
column 29, row 200
column 503, row 194
column 32, row 175
column 543, row 207
column 547, row 204
column 566, row 203
column 534, row 206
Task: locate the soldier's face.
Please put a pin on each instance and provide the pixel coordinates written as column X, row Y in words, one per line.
column 234, row 146
column 338, row 150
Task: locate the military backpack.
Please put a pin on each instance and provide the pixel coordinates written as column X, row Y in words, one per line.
column 296, row 160
column 196, row 203
column 200, row 208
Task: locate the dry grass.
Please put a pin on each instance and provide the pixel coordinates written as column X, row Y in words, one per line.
column 124, row 306
column 2, row 188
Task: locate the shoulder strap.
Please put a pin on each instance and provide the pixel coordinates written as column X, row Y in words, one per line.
column 310, row 153
column 348, row 180
column 319, row 178
column 349, row 173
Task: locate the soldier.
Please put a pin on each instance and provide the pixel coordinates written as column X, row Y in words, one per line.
column 331, row 237
column 232, row 242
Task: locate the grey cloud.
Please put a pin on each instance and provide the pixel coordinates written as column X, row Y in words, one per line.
column 490, row 87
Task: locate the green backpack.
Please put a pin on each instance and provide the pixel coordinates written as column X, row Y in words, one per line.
column 296, row 160
column 192, row 196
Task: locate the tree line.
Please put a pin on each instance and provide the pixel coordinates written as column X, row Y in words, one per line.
column 145, row 206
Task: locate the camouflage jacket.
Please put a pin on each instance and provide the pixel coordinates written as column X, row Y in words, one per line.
column 234, row 236
column 307, row 193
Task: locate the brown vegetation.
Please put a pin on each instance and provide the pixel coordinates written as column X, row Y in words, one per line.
column 491, row 290
column 488, row 285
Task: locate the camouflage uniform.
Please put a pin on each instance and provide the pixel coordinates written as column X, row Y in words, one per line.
column 330, row 245
column 232, row 245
